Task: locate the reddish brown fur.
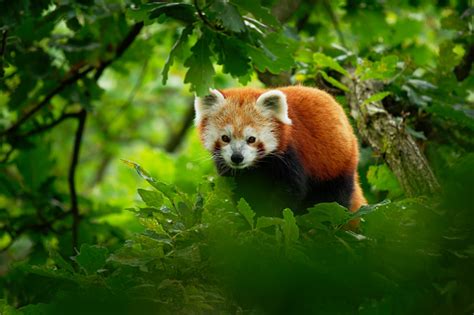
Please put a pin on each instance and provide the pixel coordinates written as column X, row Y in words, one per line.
column 320, row 132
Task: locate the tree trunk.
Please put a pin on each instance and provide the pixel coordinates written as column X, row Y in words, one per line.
column 388, row 137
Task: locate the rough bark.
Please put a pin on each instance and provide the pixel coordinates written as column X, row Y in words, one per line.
column 388, row 137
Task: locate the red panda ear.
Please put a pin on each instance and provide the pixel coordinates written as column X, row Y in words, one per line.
column 206, row 104
column 274, row 103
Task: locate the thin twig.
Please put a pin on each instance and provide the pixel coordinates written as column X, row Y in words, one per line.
column 45, row 101
column 121, row 48
column 36, row 226
column 4, row 42
column 46, row 127
column 82, row 115
column 203, row 18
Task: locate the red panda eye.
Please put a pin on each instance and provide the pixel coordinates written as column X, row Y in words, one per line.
column 225, row 138
column 251, row 140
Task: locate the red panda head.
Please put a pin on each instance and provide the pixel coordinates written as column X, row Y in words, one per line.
column 240, row 131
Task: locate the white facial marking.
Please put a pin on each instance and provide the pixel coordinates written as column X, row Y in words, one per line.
column 204, row 106
column 273, row 104
column 268, row 138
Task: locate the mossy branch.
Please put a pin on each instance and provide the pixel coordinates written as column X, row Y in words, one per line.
column 388, row 137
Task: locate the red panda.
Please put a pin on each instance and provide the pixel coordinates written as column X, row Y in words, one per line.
column 296, row 137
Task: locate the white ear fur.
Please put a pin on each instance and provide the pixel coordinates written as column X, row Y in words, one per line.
column 274, row 102
column 203, row 105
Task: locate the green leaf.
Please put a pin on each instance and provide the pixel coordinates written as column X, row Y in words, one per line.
column 364, row 210
column 247, row 212
column 382, row 179
column 376, row 97
column 34, row 165
column 384, row 69
column 91, row 258
column 151, row 198
column 144, row 174
column 325, row 216
column 333, row 81
column 257, row 10
column 179, row 11
column 273, row 52
column 289, row 227
column 37, row 309
column 232, row 55
column 141, row 13
column 188, row 30
column 324, row 61
column 449, row 113
column 201, row 72
column 228, row 14
column 264, row 222
column 60, row 262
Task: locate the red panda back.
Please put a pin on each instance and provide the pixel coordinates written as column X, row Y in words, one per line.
column 320, row 133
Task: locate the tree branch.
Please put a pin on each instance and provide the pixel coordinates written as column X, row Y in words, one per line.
column 388, row 137
column 204, row 19
column 14, row 234
column 121, row 48
column 3, row 49
column 175, row 140
column 82, row 115
column 46, row 127
column 126, row 42
column 35, row 108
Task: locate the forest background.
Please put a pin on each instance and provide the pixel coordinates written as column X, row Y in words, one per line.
column 96, row 102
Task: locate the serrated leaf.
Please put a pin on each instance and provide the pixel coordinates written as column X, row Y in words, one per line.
column 376, row 97
column 188, row 30
column 201, row 72
column 91, row 258
column 229, row 16
column 246, row 211
column 151, row 198
column 232, row 55
column 273, row 53
column 325, row 216
column 324, row 61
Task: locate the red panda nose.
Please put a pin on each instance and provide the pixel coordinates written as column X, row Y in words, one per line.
column 237, row 158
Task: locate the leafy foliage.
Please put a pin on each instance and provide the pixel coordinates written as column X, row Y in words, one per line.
column 195, row 249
